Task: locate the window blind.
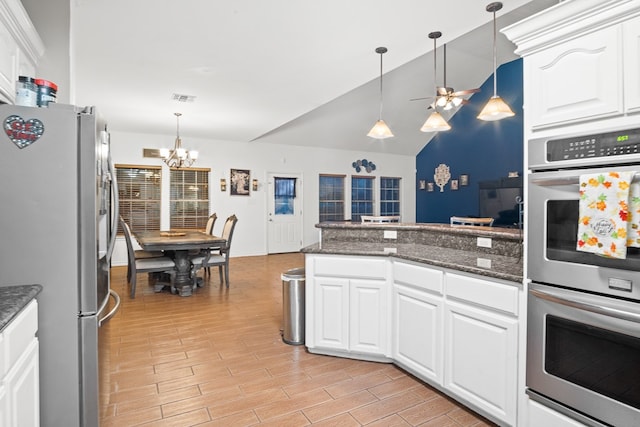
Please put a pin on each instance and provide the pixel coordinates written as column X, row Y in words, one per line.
column 139, row 189
column 189, row 198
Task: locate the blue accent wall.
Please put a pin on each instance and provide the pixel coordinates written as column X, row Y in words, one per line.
column 483, row 150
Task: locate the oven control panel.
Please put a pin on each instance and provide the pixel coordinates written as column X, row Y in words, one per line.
column 599, row 145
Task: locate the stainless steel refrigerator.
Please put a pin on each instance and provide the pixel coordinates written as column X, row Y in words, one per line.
column 58, row 210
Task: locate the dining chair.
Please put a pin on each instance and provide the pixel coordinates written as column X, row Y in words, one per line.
column 139, row 253
column 462, row 220
column 211, row 221
column 219, row 256
column 158, row 264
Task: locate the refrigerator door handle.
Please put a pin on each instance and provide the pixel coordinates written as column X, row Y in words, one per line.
column 114, row 310
column 116, row 203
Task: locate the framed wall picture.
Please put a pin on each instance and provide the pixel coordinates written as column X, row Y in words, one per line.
column 423, row 184
column 430, row 186
column 464, row 180
column 454, row 184
column 240, row 180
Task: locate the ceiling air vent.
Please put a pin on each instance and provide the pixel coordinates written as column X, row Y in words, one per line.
column 183, row 98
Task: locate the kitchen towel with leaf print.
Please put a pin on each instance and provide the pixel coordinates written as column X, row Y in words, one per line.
column 633, row 232
column 604, row 213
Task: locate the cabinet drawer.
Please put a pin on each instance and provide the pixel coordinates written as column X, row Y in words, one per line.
column 418, row 276
column 351, row 266
column 19, row 334
column 495, row 295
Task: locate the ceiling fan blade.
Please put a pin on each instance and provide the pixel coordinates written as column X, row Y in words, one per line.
column 420, row 99
column 465, row 92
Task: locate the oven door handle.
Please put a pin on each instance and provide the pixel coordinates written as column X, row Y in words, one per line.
column 567, row 180
column 594, row 308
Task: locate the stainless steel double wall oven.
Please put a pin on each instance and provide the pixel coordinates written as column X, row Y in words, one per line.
column 583, row 326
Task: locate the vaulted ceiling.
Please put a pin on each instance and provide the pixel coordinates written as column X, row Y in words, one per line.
column 295, row 72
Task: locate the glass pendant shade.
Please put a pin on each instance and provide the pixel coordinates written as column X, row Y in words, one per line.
column 496, row 109
column 380, row 130
column 435, row 123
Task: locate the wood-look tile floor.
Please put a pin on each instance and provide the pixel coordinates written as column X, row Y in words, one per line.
column 217, row 359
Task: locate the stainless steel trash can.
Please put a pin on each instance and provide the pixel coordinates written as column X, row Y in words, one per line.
column 293, row 282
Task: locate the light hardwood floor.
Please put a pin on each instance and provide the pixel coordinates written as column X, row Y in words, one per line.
column 217, row 359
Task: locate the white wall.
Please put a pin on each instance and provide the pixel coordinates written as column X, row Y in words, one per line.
column 250, row 236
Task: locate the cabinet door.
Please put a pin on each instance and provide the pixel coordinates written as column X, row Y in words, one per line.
column 632, row 65
column 481, row 358
column 331, row 306
column 417, row 332
column 22, row 388
column 369, row 319
column 578, row 80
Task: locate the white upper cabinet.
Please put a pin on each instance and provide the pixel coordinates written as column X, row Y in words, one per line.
column 20, row 47
column 577, row 80
column 631, row 37
column 581, row 63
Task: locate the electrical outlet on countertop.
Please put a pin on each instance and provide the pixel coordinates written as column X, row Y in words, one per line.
column 484, row 242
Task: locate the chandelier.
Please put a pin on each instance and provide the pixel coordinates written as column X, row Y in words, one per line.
column 178, row 157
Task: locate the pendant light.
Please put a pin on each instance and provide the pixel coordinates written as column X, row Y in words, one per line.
column 496, row 108
column 380, row 130
column 435, row 122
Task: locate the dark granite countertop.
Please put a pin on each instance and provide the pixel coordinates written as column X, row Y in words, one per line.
column 13, row 299
column 502, row 267
column 469, row 230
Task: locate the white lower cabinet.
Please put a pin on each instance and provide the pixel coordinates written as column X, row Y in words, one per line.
column 481, row 344
column 331, row 322
column 19, row 369
column 456, row 331
column 349, row 313
column 418, row 320
column 481, row 360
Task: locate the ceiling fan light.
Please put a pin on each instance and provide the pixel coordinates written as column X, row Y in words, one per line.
column 456, row 101
column 435, row 123
column 495, row 109
column 380, row 130
column 194, row 154
column 442, row 101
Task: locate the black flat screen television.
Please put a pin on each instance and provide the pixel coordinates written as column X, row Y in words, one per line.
column 499, row 199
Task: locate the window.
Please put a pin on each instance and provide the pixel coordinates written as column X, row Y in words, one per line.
column 189, row 198
column 285, row 192
column 389, row 196
column 331, row 198
column 361, row 197
column 139, row 192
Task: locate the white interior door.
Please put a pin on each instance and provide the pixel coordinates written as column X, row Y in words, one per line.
column 284, row 222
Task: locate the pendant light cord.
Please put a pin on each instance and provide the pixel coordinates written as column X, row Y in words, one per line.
column 380, row 115
column 495, row 60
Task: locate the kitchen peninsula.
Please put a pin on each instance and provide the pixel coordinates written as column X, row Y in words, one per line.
column 441, row 301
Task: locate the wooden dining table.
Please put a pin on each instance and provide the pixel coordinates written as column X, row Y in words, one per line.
column 179, row 245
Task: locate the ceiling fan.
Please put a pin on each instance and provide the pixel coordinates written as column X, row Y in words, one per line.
column 446, row 98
